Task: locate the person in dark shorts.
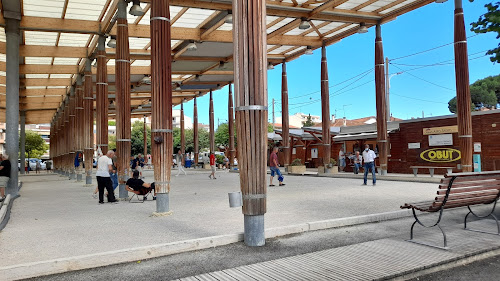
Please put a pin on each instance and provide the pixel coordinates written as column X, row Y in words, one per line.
column 138, row 186
column 4, row 175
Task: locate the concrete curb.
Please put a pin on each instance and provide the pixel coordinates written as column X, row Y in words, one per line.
column 6, row 206
column 55, row 266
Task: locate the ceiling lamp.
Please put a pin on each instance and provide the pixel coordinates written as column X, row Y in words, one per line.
column 229, row 18
column 146, row 80
column 192, row 46
column 222, row 65
column 136, row 9
column 112, row 42
column 197, row 77
column 178, row 88
column 270, row 66
column 440, row 1
column 304, row 24
column 362, row 28
column 309, row 50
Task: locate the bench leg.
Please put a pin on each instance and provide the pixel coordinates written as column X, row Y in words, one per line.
column 482, row 217
column 431, row 171
column 445, row 241
column 415, row 171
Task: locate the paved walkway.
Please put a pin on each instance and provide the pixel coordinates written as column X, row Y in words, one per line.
column 374, row 260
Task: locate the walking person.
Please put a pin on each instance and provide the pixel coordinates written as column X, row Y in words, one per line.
column 358, row 159
column 37, row 167
column 104, row 168
column 4, row 175
column 114, row 174
column 178, row 159
column 369, row 160
column 212, row 166
column 341, row 159
column 274, row 165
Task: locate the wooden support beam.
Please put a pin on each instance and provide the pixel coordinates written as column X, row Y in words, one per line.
column 88, row 105
column 230, row 123
column 195, row 133
column 325, row 109
column 380, row 100
column 284, row 116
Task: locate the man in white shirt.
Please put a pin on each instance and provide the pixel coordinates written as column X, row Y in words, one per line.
column 369, row 160
column 104, row 168
column 341, row 159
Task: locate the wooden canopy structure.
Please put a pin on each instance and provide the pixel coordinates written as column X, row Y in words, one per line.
column 59, row 36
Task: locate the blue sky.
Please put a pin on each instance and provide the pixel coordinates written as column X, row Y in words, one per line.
column 427, row 89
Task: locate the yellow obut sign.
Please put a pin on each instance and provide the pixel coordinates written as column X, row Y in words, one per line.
column 441, row 155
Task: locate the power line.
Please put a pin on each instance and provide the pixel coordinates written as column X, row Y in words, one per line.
column 432, row 49
column 437, row 85
column 418, row 99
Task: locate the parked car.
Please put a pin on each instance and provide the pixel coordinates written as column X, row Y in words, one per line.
column 33, row 162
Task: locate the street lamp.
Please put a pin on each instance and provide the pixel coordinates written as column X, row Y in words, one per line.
column 388, row 87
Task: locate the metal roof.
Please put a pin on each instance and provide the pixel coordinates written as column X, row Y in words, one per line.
column 58, row 36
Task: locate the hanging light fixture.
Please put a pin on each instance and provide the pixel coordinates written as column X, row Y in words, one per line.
column 136, row 9
column 222, row 65
column 309, row 50
column 229, row 17
column 197, row 77
column 112, row 42
column 178, row 88
column 440, row 1
column 270, row 66
column 362, row 28
column 192, row 46
column 304, row 24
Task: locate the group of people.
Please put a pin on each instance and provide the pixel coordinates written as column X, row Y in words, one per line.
column 366, row 160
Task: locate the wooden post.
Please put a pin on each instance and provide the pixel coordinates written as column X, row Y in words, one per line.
column 230, row 123
column 195, row 134
column 183, row 139
column 122, row 68
column 79, row 126
column 250, row 59
column 67, row 134
column 211, row 123
column 325, row 110
column 284, row 117
column 88, row 105
column 145, row 139
column 381, row 102
column 464, row 118
column 161, row 93
column 72, row 132
column 102, row 102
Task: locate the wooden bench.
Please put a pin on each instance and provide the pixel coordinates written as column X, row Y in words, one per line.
column 431, row 169
column 460, row 190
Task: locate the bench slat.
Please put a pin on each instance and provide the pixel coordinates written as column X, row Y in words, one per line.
column 446, row 180
column 471, row 183
column 467, row 195
column 467, row 189
column 466, row 201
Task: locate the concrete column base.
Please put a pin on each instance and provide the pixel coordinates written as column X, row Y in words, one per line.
column 72, row 176
column 383, row 172
column 162, row 203
column 79, row 177
column 88, row 180
column 254, row 231
column 123, row 193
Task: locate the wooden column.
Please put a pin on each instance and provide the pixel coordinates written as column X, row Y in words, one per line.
column 230, row 114
column 381, row 102
column 211, row 123
column 250, row 59
column 122, row 69
column 284, row 116
column 88, row 131
column 195, row 134
column 145, row 139
column 72, row 131
column 464, row 118
column 325, row 109
column 102, row 102
column 79, row 125
column 67, row 134
column 161, row 86
column 183, row 137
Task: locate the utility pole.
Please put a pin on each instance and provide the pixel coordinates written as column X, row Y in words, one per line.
column 274, row 120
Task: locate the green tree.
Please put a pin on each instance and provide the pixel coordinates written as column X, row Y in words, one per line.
column 111, row 142
column 111, row 123
column 484, row 93
column 35, row 145
column 489, row 22
column 309, row 122
column 269, row 128
column 137, row 142
column 203, row 139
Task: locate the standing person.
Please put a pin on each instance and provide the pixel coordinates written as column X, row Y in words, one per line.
column 369, row 160
column 226, row 162
column 104, row 168
column 212, row 166
column 358, row 159
column 4, row 175
column 140, row 164
column 178, row 159
column 274, row 165
column 113, row 174
column 37, row 166
column 341, row 159
column 48, row 164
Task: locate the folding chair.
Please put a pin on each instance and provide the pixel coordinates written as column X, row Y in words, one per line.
column 144, row 197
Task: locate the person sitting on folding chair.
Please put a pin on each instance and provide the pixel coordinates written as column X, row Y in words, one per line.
column 139, row 187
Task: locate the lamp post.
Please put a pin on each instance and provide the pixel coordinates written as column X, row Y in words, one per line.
column 388, row 87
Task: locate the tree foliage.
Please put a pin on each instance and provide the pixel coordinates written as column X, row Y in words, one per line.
column 137, row 142
column 203, row 139
column 484, row 93
column 308, row 122
column 111, row 142
column 489, row 22
column 222, row 135
column 35, row 145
